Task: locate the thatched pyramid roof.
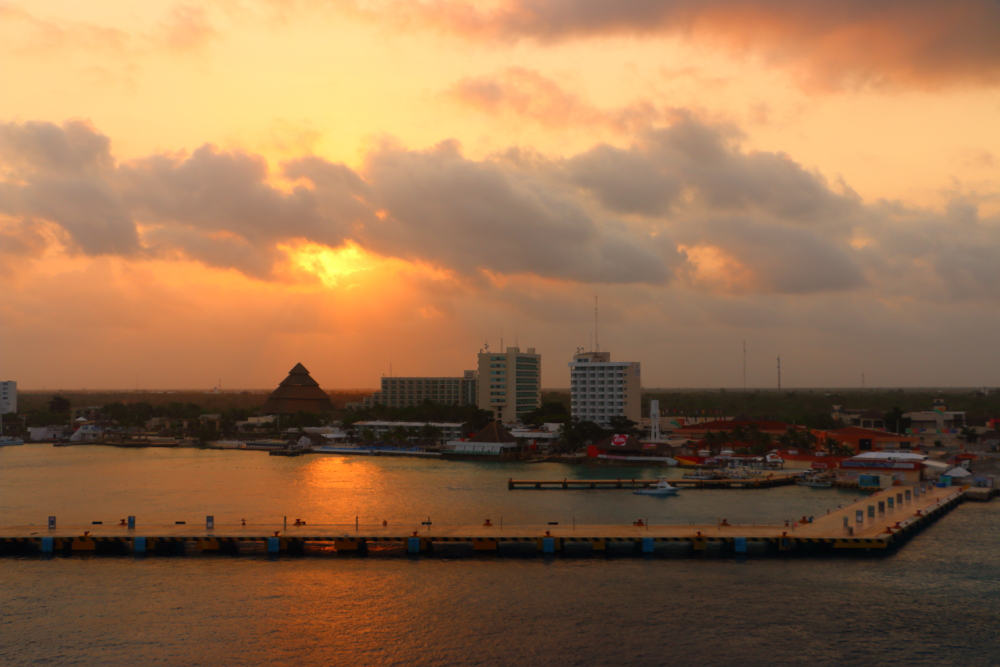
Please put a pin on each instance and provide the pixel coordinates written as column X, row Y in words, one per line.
column 494, row 432
column 297, row 393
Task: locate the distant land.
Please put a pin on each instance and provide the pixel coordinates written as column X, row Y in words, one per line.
column 792, row 404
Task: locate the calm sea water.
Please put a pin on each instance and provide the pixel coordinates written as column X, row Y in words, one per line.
column 935, row 602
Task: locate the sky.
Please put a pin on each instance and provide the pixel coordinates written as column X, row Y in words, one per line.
column 196, row 193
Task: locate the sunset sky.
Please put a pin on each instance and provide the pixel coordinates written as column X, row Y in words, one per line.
column 218, row 190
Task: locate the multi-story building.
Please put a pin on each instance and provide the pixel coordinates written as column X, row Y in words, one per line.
column 405, row 392
column 8, row 397
column 510, row 383
column 601, row 389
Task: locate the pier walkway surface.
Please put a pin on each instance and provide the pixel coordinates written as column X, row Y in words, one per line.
column 878, row 521
column 762, row 481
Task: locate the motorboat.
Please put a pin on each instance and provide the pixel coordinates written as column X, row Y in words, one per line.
column 815, row 482
column 701, row 474
column 662, row 488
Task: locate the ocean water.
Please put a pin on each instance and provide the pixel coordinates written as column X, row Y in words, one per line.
column 936, row 601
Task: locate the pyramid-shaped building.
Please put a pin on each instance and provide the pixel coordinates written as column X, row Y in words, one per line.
column 297, row 393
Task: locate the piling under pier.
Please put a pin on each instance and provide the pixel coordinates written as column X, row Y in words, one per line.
column 879, row 522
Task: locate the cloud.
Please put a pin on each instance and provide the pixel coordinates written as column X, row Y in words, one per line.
column 522, row 93
column 65, row 175
column 833, row 42
column 186, row 28
column 683, row 205
column 478, row 215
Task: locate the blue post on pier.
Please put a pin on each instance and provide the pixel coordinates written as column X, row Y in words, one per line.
column 413, row 545
column 548, row 545
column 139, row 545
column 273, row 545
column 740, row 543
column 648, row 545
column 48, row 544
column 131, row 523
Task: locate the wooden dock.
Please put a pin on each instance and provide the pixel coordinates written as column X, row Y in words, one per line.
column 878, row 522
column 763, row 481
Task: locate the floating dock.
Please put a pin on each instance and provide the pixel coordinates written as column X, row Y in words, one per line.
column 763, row 481
column 878, row 522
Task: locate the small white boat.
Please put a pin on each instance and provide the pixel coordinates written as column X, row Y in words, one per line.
column 816, row 482
column 6, row 441
column 701, row 474
column 662, row 488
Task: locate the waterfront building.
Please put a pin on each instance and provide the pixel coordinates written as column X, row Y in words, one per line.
column 8, row 397
column 862, row 440
column 380, row 429
column 407, row 392
column 494, row 440
column 601, row 389
column 510, row 383
column 297, row 393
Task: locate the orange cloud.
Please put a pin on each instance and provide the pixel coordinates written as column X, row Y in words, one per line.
column 525, row 94
column 830, row 43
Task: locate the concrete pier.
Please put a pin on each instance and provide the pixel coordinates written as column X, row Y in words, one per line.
column 852, row 527
column 762, row 481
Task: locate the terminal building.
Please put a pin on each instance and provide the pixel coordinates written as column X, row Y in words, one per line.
column 601, row 389
column 407, row 392
column 510, row 383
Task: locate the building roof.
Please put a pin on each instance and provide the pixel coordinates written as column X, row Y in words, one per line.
column 495, row 432
column 730, row 424
column 858, row 432
column 297, row 393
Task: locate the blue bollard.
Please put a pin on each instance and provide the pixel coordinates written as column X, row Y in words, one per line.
column 740, row 544
column 48, row 545
column 413, row 545
column 647, row 545
column 139, row 545
column 548, row 545
column 273, row 545
column 131, row 523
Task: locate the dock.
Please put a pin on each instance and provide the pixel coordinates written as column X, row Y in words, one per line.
column 753, row 482
column 879, row 522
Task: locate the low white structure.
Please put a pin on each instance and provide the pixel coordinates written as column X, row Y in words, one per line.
column 449, row 430
column 8, row 397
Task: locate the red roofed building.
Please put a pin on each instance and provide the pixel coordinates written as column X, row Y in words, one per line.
column 698, row 431
column 869, row 440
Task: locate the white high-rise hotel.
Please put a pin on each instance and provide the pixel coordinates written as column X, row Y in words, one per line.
column 601, row 389
column 8, row 397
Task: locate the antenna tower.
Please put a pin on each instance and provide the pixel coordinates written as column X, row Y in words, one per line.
column 597, row 340
column 744, row 366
